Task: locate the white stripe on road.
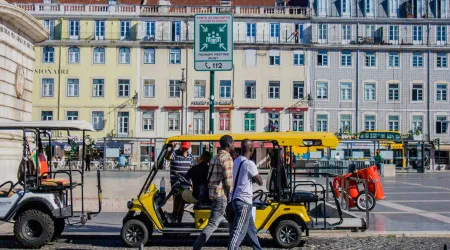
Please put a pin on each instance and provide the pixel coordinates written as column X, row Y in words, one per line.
column 421, row 201
column 421, row 185
column 419, row 212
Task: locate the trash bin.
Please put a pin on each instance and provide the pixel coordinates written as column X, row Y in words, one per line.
column 374, row 182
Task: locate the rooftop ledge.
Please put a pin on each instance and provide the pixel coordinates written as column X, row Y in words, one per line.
column 158, row 10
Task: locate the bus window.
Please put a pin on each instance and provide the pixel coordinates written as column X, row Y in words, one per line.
column 363, row 135
column 397, row 137
column 390, row 136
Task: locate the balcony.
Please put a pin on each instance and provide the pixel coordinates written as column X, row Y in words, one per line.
column 160, row 10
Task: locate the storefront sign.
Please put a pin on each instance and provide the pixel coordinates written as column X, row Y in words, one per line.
column 52, row 71
column 227, row 102
column 127, row 149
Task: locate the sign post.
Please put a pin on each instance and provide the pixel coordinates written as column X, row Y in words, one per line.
column 213, row 50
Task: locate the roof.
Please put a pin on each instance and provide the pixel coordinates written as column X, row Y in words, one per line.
column 47, row 125
column 283, row 138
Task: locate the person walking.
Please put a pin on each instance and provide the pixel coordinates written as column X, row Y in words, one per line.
column 180, row 162
column 87, row 159
column 220, row 184
column 378, row 162
column 244, row 173
column 199, row 175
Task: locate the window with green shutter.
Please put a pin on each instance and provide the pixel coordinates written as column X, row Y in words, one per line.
column 250, row 121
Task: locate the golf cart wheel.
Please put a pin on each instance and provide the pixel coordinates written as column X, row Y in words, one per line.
column 134, row 233
column 33, row 229
column 59, row 228
column 361, row 201
column 287, row 234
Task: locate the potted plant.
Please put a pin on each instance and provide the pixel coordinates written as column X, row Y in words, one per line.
column 417, row 136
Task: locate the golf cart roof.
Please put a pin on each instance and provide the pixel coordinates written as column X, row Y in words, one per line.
column 48, row 125
column 283, row 138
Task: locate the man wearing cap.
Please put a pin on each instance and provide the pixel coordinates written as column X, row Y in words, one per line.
column 180, row 162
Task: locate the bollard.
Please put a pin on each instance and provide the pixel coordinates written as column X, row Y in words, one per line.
column 342, row 190
column 347, row 183
column 141, row 246
column 326, row 190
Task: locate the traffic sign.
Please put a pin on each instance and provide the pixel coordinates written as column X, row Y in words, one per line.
column 213, row 43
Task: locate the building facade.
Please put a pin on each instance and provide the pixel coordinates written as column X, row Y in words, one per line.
column 339, row 66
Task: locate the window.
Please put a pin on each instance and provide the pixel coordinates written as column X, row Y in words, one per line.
column 440, row 8
column 250, row 57
column 150, row 30
column 370, row 31
column 175, row 56
column 73, row 87
column 323, row 33
column 72, row 115
column 274, row 122
column 345, row 7
column 346, row 58
column 149, row 56
column 274, row 57
column 394, row 59
column 125, row 30
column 298, row 89
column 417, row 61
column 419, row 12
column 47, row 115
column 50, row 26
column 199, row 122
column 322, row 58
column 249, row 122
column 441, row 124
column 124, row 88
column 369, row 7
column 123, row 123
column 176, row 31
column 225, row 89
column 393, row 8
column 148, row 120
column 441, row 92
column 250, row 89
column 224, row 121
column 99, row 30
column 417, row 123
column 371, row 59
column 199, row 89
column 274, row 32
column 251, row 32
column 417, row 34
column 174, row 89
column 74, row 29
column 441, row 60
column 321, row 7
column 394, row 91
column 124, row 55
column 98, row 121
column 393, row 123
column 49, row 55
column 417, row 92
column 99, row 55
column 370, row 92
column 174, row 121
column 346, row 91
column 299, row 58
column 393, row 34
column 47, row 87
column 274, row 90
column 297, row 122
column 298, row 33
column 441, row 34
column 346, row 123
column 149, row 88
column 346, row 32
column 369, row 122
column 98, row 88
column 322, row 123
column 322, row 90
column 74, row 55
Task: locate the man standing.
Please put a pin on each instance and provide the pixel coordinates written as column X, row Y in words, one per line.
column 244, row 172
column 378, row 162
column 180, row 162
column 220, row 185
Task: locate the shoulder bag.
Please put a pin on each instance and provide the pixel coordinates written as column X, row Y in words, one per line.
column 229, row 211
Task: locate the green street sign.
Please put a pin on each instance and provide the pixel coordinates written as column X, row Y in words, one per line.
column 213, row 44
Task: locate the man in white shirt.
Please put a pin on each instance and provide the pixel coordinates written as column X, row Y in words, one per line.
column 244, row 173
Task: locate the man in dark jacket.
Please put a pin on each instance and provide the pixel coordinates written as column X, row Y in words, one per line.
column 199, row 176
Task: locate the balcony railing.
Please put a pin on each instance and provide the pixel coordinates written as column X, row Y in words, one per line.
column 156, row 10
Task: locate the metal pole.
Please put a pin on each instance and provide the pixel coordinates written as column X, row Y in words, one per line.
column 439, row 155
column 347, row 183
column 366, row 183
column 182, row 111
column 211, row 102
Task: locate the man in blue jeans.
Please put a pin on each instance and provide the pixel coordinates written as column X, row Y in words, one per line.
column 244, row 173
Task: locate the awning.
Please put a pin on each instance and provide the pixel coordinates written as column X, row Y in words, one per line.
column 148, row 107
column 292, row 109
column 198, row 107
column 277, row 109
column 443, row 147
column 248, row 107
column 172, row 107
column 223, row 108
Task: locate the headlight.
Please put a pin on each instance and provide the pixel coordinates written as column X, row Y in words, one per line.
column 130, row 203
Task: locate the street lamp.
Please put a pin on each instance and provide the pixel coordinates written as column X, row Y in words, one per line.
column 182, row 89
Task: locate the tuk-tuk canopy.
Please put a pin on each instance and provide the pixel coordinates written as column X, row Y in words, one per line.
column 282, row 138
column 48, row 125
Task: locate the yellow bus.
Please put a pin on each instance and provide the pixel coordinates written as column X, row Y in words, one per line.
column 388, row 140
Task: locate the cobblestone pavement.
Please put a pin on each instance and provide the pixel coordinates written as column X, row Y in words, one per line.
column 376, row 242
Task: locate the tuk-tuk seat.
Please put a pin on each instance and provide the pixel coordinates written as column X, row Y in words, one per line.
column 57, row 183
column 304, row 196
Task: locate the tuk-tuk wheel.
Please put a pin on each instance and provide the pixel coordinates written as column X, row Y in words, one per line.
column 361, row 201
column 134, row 233
column 287, row 234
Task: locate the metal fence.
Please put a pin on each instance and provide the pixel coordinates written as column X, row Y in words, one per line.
column 333, row 166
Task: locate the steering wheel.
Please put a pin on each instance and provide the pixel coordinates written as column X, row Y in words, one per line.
column 182, row 179
column 260, row 195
